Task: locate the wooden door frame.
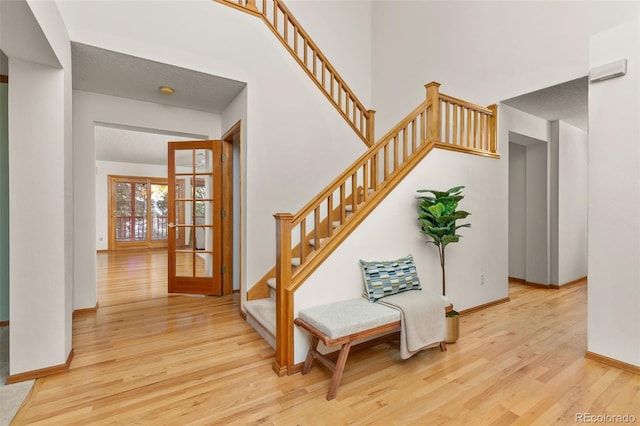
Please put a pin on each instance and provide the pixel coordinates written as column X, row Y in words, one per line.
column 226, row 191
column 233, row 136
column 111, row 228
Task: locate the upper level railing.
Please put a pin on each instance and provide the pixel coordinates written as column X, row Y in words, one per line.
column 296, row 40
column 467, row 127
column 307, row 238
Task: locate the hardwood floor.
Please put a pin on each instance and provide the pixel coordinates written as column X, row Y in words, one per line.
column 148, row 358
column 131, row 276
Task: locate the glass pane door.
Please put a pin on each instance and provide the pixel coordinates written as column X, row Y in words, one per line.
column 139, row 212
column 159, row 211
column 131, row 211
column 194, row 228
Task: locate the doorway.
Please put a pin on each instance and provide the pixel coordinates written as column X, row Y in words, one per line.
column 138, row 209
column 528, row 210
column 138, row 154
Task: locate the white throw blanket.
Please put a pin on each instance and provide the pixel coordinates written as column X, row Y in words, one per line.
column 422, row 319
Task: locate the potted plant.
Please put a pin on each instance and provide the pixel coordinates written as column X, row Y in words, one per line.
column 438, row 217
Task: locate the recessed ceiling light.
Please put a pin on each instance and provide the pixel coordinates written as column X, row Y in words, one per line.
column 166, row 90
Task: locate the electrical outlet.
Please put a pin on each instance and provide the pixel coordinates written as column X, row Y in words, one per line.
column 100, row 239
column 482, row 278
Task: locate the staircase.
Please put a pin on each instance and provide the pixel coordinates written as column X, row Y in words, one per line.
column 309, row 56
column 305, row 239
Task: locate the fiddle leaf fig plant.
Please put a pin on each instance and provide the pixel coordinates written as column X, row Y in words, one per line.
column 438, row 215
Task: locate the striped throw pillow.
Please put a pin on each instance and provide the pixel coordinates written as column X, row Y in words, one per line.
column 384, row 278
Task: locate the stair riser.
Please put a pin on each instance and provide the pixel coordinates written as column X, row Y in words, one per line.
column 261, row 330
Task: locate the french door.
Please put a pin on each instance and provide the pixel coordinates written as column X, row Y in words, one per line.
column 199, row 216
column 138, row 207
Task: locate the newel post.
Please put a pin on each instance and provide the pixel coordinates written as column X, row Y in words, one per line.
column 284, row 302
column 493, row 129
column 371, row 125
column 433, row 118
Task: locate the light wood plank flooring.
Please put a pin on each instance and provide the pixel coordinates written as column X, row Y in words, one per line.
column 148, row 358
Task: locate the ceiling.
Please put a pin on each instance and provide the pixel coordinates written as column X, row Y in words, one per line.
column 116, row 74
column 566, row 101
column 112, row 73
column 127, row 145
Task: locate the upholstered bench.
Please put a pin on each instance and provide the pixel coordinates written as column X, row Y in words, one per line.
column 342, row 323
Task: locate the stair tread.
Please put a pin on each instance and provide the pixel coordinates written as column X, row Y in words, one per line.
column 271, row 282
column 295, row 261
column 263, row 311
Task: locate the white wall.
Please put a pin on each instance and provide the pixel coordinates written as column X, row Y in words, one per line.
column 103, row 170
column 572, row 203
column 294, row 138
column 92, row 108
column 568, row 203
column 517, row 210
column 36, row 42
column 614, row 199
column 483, row 51
column 537, row 231
column 237, row 111
column 52, row 26
column 553, row 199
column 36, row 159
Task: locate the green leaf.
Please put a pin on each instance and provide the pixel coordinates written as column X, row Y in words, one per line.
column 436, row 210
column 450, row 239
column 455, row 189
column 436, row 194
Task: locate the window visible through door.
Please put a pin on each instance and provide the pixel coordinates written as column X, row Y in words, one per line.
column 138, row 208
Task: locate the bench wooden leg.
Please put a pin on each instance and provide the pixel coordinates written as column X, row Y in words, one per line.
column 339, row 368
column 443, row 346
column 308, row 362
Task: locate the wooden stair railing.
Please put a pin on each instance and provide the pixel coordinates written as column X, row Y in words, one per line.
column 296, row 40
column 467, row 127
column 362, row 187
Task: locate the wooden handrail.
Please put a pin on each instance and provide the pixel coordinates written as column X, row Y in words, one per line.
column 357, row 165
column 309, row 56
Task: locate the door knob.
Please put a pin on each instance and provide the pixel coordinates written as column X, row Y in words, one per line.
column 171, row 225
